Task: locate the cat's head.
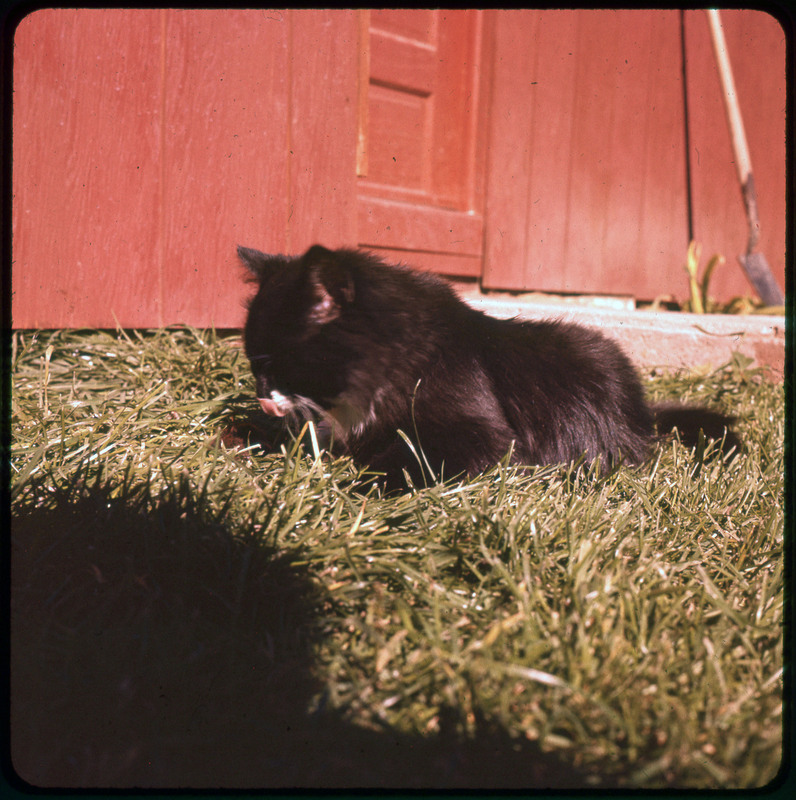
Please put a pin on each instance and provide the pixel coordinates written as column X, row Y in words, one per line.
column 295, row 333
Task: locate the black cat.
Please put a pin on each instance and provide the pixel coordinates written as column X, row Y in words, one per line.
column 374, row 349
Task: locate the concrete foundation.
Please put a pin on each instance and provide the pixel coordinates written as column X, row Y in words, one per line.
column 663, row 338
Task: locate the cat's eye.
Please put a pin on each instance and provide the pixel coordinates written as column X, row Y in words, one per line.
column 265, row 360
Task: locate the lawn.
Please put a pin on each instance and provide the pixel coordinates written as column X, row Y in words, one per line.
column 191, row 608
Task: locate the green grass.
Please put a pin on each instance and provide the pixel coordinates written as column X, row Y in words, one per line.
column 188, row 610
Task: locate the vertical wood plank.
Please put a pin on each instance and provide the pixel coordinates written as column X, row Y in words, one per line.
column 323, row 68
column 607, row 203
column 456, row 108
column 658, row 259
column 552, row 96
column 86, row 123
column 508, row 151
column 756, row 45
column 480, row 105
column 225, row 170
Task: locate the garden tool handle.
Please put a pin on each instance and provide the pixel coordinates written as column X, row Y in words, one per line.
column 743, row 162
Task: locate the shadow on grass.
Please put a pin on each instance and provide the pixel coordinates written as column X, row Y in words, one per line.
column 151, row 648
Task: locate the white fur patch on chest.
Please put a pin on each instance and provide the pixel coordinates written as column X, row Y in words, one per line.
column 349, row 418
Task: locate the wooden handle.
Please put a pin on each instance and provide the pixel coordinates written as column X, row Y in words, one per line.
column 742, row 161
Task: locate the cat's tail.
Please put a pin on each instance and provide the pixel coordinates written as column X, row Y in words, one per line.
column 689, row 421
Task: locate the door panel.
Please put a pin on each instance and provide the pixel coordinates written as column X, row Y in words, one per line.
column 421, row 190
column 400, row 119
column 407, row 226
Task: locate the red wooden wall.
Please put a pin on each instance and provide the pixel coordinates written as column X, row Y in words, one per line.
column 756, row 43
column 147, row 144
column 535, row 149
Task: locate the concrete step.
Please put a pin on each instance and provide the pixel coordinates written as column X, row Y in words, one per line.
column 668, row 339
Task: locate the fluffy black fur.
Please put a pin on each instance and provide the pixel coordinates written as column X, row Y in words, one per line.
column 375, row 348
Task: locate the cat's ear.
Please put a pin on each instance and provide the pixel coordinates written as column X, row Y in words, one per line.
column 331, row 282
column 259, row 264
column 252, row 259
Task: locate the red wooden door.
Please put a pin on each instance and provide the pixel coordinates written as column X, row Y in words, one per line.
column 587, row 189
column 421, row 167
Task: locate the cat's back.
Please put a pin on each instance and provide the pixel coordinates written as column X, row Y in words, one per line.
column 403, row 301
column 551, row 345
column 401, row 285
